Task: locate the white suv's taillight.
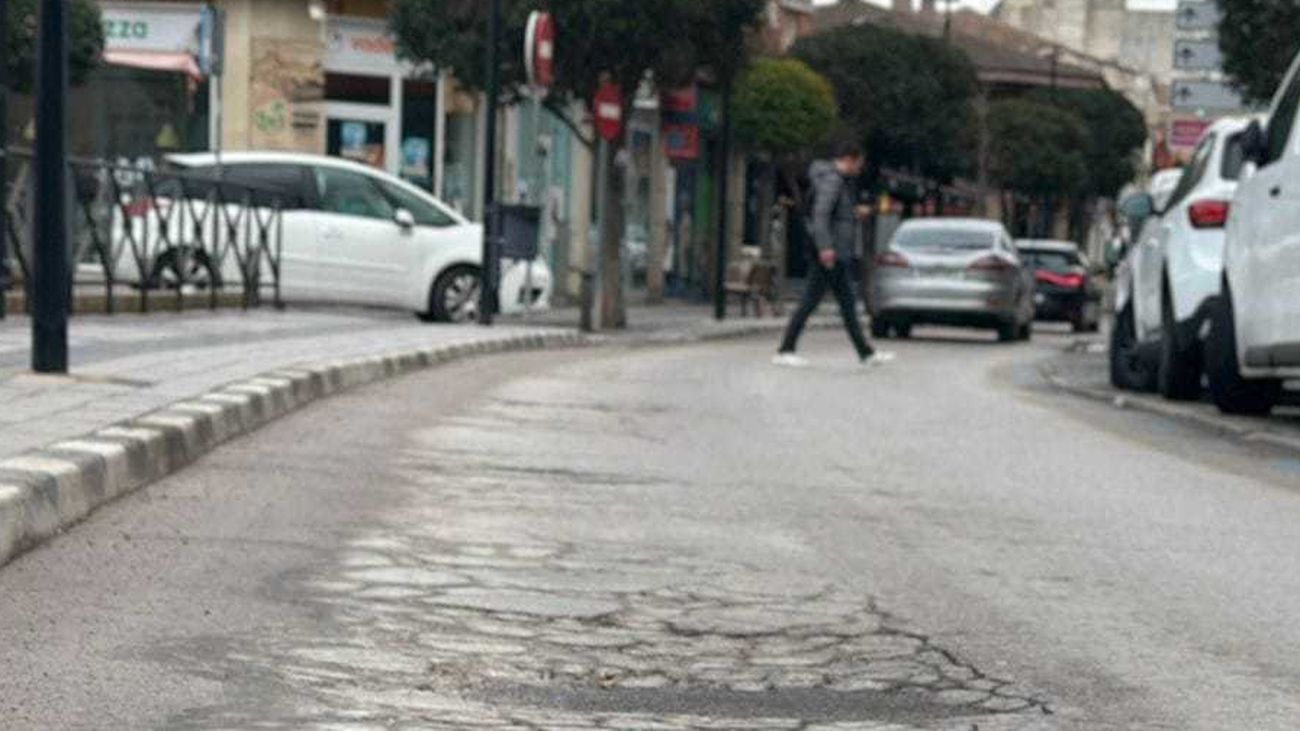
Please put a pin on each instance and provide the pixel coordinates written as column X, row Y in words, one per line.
column 1209, row 214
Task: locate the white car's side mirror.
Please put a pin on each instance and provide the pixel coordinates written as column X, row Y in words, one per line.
column 403, row 218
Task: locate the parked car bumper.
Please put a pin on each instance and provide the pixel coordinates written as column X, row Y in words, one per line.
column 975, row 303
column 1052, row 305
column 1195, row 269
column 523, row 288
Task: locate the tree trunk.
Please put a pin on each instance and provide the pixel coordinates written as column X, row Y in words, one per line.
column 658, row 244
column 766, row 202
column 613, row 310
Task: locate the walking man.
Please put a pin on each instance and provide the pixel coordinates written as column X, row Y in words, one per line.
column 835, row 218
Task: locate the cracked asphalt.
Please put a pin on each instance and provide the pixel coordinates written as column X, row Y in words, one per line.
column 681, row 538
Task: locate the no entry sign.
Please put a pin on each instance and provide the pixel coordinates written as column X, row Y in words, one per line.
column 607, row 108
column 539, row 49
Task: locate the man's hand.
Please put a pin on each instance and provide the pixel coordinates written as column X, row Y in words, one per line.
column 827, row 258
column 863, row 212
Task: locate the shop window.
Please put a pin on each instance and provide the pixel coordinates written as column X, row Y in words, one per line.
column 129, row 114
column 419, row 122
column 358, row 89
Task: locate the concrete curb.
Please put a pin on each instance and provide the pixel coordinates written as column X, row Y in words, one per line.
column 46, row 491
column 1210, row 422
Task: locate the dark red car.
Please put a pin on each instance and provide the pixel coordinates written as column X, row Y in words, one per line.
column 1067, row 290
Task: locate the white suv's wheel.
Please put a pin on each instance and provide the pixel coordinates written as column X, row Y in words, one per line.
column 1128, row 369
column 1232, row 393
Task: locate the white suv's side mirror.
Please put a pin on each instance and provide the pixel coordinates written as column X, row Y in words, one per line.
column 403, row 218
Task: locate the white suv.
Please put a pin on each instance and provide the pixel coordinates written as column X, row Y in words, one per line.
column 1170, row 276
column 1254, row 341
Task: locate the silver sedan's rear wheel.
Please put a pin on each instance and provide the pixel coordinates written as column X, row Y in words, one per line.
column 455, row 296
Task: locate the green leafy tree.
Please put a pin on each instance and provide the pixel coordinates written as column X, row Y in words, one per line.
column 1258, row 38
column 781, row 108
column 85, row 42
column 910, row 97
column 1038, row 151
column 1116, row 133
column 624, row 41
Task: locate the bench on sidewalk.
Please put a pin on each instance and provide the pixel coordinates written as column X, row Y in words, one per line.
column 753, row 281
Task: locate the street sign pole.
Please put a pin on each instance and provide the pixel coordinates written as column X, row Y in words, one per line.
column 488, row 278
column 51, row 286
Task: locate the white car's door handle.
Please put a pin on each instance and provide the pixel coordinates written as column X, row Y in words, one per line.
column 332, row 234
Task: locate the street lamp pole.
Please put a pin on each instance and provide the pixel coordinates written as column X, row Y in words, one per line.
column 491, row 222
column 724, row 223
column 50, row 271
column 4, row 158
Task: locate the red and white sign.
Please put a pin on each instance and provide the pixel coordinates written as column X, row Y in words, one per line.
column 1186, row 133
column 360, row 46
column 539, row 49
column 607, row 108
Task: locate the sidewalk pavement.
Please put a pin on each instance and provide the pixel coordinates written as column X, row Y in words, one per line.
column 148, row 394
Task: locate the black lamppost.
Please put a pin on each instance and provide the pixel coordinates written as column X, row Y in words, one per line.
column 50, row 288
column 724, row 208
column 488, row 285
column 4, row 157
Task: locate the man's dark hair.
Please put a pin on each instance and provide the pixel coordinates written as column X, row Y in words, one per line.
column 845, row 147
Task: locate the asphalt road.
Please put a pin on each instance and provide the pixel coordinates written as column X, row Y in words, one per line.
column 682, row 538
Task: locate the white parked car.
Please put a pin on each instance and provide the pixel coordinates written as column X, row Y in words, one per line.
column 353, row 235
column 1166, row 282
column 1254, row 342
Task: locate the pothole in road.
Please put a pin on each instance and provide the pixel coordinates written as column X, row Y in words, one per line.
column 465, row 616
column 537, row 636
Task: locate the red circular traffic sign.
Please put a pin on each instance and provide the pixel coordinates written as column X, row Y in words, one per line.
column 607, row 108
column 539, row 49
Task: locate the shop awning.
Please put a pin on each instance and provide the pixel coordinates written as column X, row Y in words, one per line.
column 181, row 63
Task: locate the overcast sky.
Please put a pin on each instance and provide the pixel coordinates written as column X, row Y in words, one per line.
column 985, row 5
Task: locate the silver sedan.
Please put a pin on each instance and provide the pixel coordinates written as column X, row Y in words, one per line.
column 951, row 271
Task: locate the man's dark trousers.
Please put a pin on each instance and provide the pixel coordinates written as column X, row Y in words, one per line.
column 840, row 280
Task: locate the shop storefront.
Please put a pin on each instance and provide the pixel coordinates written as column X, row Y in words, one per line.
column 150, row 96
column 387, row 114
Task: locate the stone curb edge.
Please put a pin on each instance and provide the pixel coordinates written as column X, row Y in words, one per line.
column 48, row 490
column 1207, row 422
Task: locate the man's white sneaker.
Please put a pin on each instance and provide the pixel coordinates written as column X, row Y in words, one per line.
column 789, row 360
column 878, row 358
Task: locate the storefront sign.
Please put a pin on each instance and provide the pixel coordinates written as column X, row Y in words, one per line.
column 356, row 45
column 608, row 110
column 681, row 129
column 682, row 142
column 1185, row 134
column 151, row 27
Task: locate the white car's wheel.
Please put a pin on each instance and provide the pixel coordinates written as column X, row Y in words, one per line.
column 454, row 297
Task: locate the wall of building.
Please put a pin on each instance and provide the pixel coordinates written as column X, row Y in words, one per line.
column 1105, row 29
column 274, row 76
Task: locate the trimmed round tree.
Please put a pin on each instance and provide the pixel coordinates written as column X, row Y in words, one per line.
column 1037, row 150
column 782, row 108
